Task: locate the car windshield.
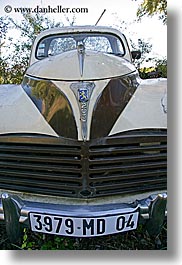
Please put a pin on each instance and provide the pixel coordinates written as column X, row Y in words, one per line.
column 57, row 44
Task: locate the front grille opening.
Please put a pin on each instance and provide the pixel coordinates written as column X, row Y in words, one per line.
column 125, row 183
column 110, row 148
column 123, row 164
column 129, row 174
column 152, row 148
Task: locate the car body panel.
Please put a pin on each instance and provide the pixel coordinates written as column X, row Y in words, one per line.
column 85, row 137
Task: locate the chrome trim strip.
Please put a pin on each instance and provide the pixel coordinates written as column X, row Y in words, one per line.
column 85, row 210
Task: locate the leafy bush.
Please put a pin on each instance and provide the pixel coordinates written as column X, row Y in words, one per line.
column 133, row 240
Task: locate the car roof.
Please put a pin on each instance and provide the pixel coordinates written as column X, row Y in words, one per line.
column 74, row 29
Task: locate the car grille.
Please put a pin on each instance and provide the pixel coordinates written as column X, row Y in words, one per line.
column 123, row 164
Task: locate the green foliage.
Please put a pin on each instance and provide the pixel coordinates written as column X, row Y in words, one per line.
column 145, row 49
column 158, row 70
column 133, row 240
column 161, row 65
column 152, row 7
column 14, row 64
column 144, row 46
column 45, row 242
column 31, row 25
column 3, row 27
column 11, row 74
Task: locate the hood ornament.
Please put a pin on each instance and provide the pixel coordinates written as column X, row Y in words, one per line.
column 81, row 56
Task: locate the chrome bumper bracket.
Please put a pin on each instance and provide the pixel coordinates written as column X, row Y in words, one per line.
column 12, row 210
column 156, row 214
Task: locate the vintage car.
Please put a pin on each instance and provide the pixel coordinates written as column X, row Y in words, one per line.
column 83, row 140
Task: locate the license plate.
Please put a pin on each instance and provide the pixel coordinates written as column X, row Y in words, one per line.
column 83, row 226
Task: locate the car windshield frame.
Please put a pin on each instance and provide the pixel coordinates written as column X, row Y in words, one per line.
column 115, row 45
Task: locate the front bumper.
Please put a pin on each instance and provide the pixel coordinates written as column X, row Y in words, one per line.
column 15, row 212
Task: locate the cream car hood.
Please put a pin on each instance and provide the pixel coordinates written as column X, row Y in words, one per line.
column 66, row 66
